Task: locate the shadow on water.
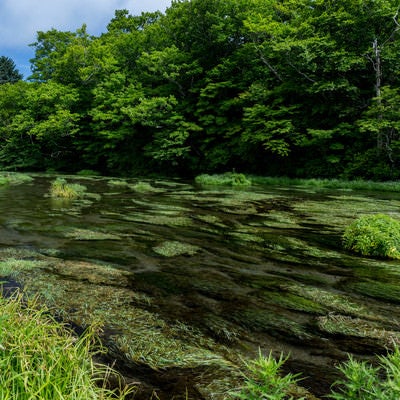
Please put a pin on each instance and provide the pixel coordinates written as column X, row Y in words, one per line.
column 187, row 281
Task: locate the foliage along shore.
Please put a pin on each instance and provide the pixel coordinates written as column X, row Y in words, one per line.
column 267, row 87
column 233, row 179
column 236, row 179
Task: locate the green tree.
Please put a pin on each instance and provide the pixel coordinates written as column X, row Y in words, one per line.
column 316, row 58
column 49, row 47
column 37, row 125
column 8, row 71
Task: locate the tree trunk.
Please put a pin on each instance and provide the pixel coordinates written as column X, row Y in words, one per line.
column 378, row 84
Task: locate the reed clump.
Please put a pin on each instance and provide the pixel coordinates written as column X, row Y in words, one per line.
column 41, row 359
column 60, row 188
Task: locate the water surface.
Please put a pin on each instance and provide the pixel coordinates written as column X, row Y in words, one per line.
column 187, row 280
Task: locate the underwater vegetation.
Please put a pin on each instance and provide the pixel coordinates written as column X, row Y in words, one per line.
column 174, row 248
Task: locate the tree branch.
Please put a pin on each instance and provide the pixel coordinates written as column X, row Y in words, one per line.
column 267, row 63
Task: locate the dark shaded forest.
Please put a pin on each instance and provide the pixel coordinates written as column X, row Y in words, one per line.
column 305, row 88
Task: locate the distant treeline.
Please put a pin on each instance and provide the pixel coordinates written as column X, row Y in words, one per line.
column 303, row 88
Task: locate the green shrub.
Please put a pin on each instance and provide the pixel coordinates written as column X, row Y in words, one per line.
column 61, row 189
column 14, row 178
column 375, row 235
column 226, row 179
column 87, row 172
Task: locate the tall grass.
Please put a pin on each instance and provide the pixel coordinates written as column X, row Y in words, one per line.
column 60, row 188
column 390, row 186
column 41, row 359
column 360, row 380
column 264, row 380
column 363, row 381
column 236, row 179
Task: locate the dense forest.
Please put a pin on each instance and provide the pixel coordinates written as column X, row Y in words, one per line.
column 307, row 88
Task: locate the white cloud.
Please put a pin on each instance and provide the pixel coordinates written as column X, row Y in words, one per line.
column 21, row 19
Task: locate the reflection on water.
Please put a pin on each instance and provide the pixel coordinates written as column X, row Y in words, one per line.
column 188, row 279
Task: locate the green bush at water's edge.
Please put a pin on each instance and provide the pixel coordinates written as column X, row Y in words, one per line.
column 375, row 235
column 226, row 179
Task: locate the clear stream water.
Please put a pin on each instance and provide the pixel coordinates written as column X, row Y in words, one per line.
column 188, row 280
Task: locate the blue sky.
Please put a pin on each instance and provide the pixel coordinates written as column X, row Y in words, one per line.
column 21, row 19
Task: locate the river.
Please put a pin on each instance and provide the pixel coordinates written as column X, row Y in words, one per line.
column 186, row 282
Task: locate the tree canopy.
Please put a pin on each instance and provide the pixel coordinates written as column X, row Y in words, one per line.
column 301, row 88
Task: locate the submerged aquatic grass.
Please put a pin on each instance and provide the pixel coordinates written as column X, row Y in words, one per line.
column 357, row 327
column 250, row 232
column 173, row 248
column 145, row 187
column 87, row 234
column 330, row 301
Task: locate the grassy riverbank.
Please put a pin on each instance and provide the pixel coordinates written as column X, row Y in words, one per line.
column 41, row 359
column 235, row 179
